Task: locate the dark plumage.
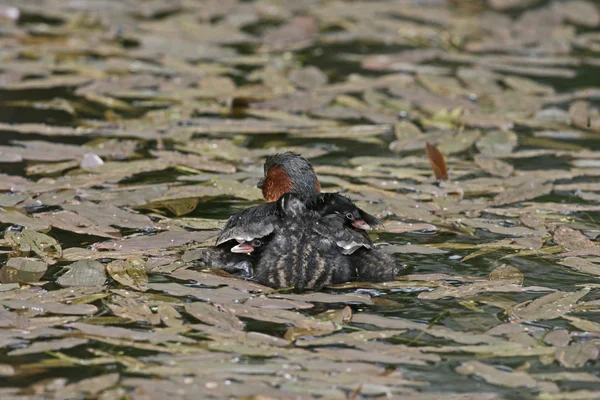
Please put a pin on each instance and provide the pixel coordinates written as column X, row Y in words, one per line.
column 335, row 203
column 251, row 223
column 299, row 230
column 298, row 254
column 222, row 257
column 373, row 265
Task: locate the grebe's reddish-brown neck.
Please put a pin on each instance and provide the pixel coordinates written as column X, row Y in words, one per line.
column 289, row 173
column 276, row 184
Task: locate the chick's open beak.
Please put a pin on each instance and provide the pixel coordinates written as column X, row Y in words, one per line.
column 242, row 248
column 361, row 224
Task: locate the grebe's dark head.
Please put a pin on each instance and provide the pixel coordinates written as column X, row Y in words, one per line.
column 288, row 173
column 335, row 203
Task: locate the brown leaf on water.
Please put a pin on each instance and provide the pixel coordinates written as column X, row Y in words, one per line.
column 134, row 310
column 531, row 243
column 70, row 221
column 155, row 336
column 26, row 241
column 178, row 207
column 343, row 354
column 42, row 347
column 19, row 269
column 576, row 355
column 584, row 324
column 108, row 215
column 194, row 161
column 25, row 89
column 459, row 143
column 581, row 265
column 7, row 181
column 169, row 315
column 281, row 304
column 403, row 227
column 328, row 297
column 16, row 216
column 441, row 332
column 497, row 143
column 507, row 273
column 130, row 272
column 567, row 376
column 208, row 279
column 476, row 288
column 349, row 339
column 496, row 376
column 584, row 116
column 341, row 316
column 222, row 295
column 83, row 273
column 43, row 307
column 276, row 316
column 493, row 166
column 163, row 240
column 558, row 337
column 571, row 239
column 550, row 306
column 215, row 314
column 525, row 191
column 296, row 34
column 411, row 249
column 89, row 387
column 437, row 162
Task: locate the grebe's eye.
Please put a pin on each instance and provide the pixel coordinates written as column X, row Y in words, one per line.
column 350, row 216
column 256, row 243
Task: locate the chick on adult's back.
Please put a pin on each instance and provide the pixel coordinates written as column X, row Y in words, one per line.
column 298, row 255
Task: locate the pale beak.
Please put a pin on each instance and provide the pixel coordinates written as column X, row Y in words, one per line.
column 361, row 224
column 244, row 248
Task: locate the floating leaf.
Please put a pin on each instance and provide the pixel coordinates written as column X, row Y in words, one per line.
column 507, row 273
column 27, row 241
column 155, row 336
column 550, row 306
column 163, row 240
column 577, row 354
column 129, row 272
column 215, row 315
column 437, row 162
column 526, row 191
column 496, row 376
column 83, row 273
column 497, row 143
column 42, row 347
column 572, row 240
column 20, row 269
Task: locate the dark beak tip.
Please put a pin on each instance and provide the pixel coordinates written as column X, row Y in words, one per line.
column 260, row 183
